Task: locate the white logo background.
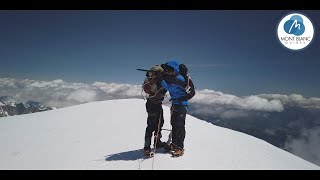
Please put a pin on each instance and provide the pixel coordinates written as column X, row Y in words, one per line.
column 292, row 41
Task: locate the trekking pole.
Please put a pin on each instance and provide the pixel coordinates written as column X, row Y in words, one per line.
column 170, row 135
column 142, row 70
column 155, row 146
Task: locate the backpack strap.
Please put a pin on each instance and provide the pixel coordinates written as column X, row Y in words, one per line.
column 189, row 90
column 174, row 80
column 188, row 87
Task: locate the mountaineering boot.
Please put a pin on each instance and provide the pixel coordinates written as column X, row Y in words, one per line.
column 170, row 147
column 147, row 152
column 178, row 152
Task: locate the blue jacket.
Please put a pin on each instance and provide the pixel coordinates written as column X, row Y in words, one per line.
column 176, row 91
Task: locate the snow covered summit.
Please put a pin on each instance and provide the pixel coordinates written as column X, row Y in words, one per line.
column 110, row 135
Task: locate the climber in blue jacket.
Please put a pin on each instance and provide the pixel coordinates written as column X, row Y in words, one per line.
column 179, row 108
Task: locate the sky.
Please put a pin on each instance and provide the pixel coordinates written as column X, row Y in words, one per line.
column 96, row 143
column 235, row 52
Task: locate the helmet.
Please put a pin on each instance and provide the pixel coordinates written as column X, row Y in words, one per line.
column 173, row 64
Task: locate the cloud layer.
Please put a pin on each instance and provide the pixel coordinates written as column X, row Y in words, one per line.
column 294, row 100
column 217, row 104
column 307, row 145
column 58, row 93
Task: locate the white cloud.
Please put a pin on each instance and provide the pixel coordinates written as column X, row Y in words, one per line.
column 294, row 100
column 215, row 99
column 58, row 93
column 307, row 146
column 120, row 90
column 61, row 94
column 217, row 104
column 83, row 95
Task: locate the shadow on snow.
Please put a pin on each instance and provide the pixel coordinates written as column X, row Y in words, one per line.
column 130, row 155
column 126, row 156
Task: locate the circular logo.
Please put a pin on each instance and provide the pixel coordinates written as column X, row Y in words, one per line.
column 295, row 31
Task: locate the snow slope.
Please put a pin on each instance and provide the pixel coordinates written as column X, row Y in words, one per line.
column 110, row 135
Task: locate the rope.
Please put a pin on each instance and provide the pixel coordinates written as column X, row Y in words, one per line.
column 142, row 94
column 188, row 80
column 145, row 83
column 188, row 88
column 155, row 94
column 170, row 135
column 155, row 146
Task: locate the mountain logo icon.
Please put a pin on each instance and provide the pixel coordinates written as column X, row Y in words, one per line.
column 295, row 31
column 294, row 25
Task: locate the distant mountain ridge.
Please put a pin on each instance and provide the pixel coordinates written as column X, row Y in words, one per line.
column 10, row 107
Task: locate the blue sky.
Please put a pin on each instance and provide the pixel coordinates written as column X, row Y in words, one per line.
column 234, row 52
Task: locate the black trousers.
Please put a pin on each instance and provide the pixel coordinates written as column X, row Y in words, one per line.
column 178, row 118
column 154, row 112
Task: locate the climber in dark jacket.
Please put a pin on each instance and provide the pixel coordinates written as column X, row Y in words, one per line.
column 155, row 114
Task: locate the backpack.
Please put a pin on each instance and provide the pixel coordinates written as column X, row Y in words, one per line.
column 190, row 90
column 188, row 84
column 149, row 85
